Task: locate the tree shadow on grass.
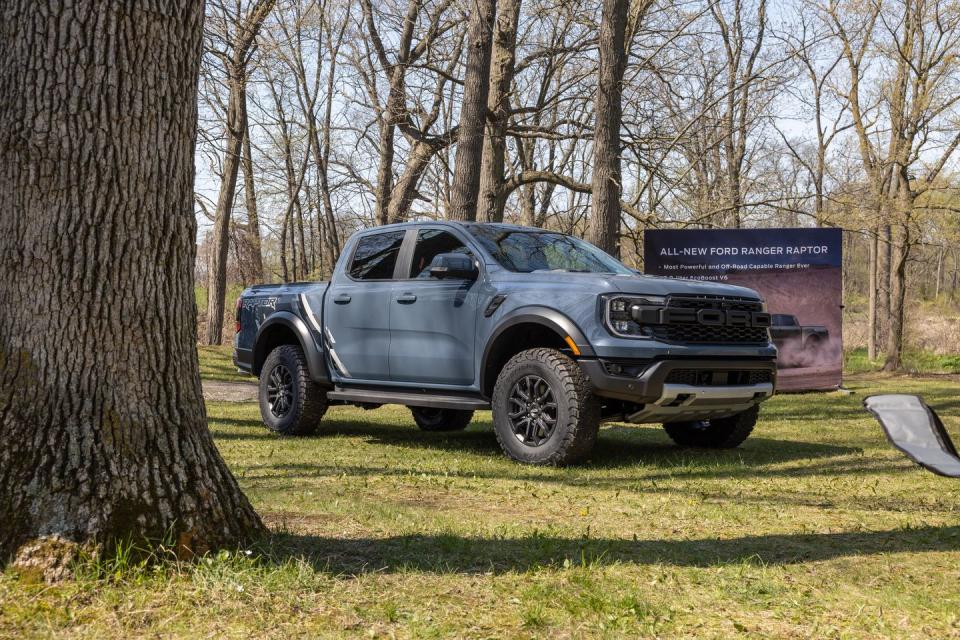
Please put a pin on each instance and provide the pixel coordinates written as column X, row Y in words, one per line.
column 471, row 555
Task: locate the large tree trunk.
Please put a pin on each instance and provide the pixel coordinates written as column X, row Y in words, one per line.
column 498, row 106
column 473, row 113
column 101, row 414
column 898, row 290
column 605, row 220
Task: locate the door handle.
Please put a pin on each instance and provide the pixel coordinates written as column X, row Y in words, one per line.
column 407, row 298
column 342, row 299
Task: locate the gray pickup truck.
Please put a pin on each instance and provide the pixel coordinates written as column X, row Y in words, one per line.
column 551, row 333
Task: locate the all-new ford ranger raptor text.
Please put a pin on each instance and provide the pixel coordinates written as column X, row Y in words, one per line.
column 551, row 333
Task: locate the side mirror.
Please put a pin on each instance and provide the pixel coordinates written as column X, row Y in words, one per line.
column 453, row 265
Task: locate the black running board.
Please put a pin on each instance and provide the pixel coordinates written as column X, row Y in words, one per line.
column 916, row 430
column 408, row 398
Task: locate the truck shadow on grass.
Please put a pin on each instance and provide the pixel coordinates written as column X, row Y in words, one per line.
column 616, row 448
column 470, row 555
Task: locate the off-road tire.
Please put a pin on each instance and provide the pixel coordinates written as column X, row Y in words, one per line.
column 718, row 433
column 577, row 409
column 307, row 400
column 429, row 419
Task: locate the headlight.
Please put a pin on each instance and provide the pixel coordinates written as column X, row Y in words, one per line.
column 620, row 314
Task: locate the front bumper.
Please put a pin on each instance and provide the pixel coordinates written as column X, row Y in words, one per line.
column 681, row 389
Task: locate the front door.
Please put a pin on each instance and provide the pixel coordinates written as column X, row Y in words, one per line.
column 356, row 312
column 433, row 322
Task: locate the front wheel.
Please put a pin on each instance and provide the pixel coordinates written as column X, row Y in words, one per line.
column 441, row 419
column 291, row 403
column 716, row 433
column 544, row 411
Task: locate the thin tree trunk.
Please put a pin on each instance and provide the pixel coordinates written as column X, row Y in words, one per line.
column 498, row 107
column 605, row 221
column 251, row 233
column 220, row 236
column 883, row 284
column 936, row 289
column 243, row 39
column 872, row 292
column 466, row 174
column 97, row 242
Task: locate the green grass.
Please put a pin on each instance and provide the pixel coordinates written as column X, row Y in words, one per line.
column 815, row 527
column 914, row 361
column 216, row 363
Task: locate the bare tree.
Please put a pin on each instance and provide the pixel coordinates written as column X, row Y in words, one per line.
column 114, row 442
column 232, row 47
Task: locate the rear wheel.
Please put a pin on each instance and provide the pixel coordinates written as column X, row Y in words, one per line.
column 716, row 433
column 291, row 404
column 429, row 419
column 544, row 411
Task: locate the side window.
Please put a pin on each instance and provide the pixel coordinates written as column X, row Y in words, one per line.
column 431, row 242
column 376, row 255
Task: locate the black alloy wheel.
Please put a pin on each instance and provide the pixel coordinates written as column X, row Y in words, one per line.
column 533, row 411
column 280, row 391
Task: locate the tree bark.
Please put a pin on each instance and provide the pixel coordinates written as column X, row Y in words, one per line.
column 101, row 415
column 473, row 113
column 605, row 220
column 502, row 62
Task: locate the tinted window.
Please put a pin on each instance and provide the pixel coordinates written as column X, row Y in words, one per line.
column 527, row 251
column 376, row 256
column 783, row 320
column 431, row 242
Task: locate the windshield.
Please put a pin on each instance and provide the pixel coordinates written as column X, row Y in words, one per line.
column 529, row 251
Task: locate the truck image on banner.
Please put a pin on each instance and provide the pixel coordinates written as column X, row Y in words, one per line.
column 797, row 271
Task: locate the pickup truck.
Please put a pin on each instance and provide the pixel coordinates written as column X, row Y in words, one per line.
column 548, row 331
column 787, row 332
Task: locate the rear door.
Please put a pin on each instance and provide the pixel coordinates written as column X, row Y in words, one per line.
column 356, row 312
column 433, row 322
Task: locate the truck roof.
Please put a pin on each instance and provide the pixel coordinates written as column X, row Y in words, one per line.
column 452, row 223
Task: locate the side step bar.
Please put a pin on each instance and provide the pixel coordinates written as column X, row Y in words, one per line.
column 410, row 399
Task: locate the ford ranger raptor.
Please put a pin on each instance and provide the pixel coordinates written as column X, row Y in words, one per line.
column 549, row 332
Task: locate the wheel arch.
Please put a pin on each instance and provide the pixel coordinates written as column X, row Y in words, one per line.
column 528, row 328
column 282, row 328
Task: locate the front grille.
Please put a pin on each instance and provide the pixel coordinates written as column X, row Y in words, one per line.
column 698, row 333
column 719, row 377
column 692, row 332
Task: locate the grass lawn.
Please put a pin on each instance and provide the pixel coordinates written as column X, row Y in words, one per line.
column 815, row 527
column 216, row 363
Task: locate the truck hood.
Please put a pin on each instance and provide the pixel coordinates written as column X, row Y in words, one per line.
column 653, row 285
column 635, row 284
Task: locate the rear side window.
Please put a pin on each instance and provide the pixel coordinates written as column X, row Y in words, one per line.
column 376, row 255
column 431, row 242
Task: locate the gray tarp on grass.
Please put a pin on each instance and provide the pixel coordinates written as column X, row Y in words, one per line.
column 916, row 430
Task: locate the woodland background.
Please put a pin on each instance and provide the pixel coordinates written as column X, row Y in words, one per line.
column 320, row 117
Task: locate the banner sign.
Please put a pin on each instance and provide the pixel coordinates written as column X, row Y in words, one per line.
column 797, row 271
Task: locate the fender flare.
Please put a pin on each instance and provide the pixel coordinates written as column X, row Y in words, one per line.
column 543, row 316
column 313, row 352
